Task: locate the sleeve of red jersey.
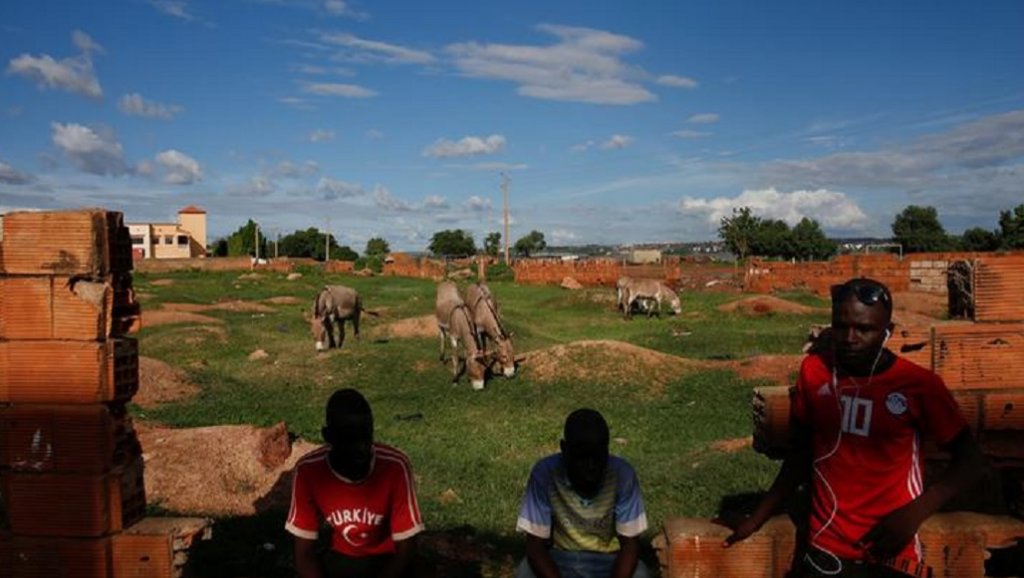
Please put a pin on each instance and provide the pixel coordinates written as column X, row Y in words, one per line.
column 940, row 416
column 303, row 517
column 405, row 510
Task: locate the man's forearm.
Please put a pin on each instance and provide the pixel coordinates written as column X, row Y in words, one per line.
column 792, row 473
column 965, row 469
column 540, row 560
column 626, row 560
column 399, row 564
column 307, row 565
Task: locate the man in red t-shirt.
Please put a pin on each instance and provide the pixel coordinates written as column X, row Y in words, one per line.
column 363, row 490
column 858, row 415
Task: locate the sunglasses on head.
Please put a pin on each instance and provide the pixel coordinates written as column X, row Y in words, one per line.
column 866, row 294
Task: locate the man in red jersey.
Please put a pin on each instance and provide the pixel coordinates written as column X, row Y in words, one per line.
column 363, row 490
column 858, row 414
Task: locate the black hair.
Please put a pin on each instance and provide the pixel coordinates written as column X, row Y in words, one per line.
column 346, row 402
column 586, row 426
column 867, row 291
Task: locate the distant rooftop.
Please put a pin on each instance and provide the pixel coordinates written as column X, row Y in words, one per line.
column 192, row 210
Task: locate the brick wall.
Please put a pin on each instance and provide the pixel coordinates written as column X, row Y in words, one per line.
column 593, row 272
column 924, row 272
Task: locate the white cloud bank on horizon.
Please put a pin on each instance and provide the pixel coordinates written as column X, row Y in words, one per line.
column 73, row 74
column 832, row 209
column 584, row 65
column 465, row 147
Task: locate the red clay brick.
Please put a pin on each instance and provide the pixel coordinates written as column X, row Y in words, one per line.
column 979, row 355
column 74, row 505
column 25, row 557
column 83, row 439
column 90, row 242
column 48, row 307
column 72, row 372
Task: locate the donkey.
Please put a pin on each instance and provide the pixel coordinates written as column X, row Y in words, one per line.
column 488, row 325
column 332, row 306
column 455, row 324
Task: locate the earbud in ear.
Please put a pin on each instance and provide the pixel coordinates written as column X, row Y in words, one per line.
column 888, row 334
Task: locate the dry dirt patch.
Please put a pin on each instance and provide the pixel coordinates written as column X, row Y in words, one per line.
column 608, row 361
column 732, row 445
column 217, row 470
column 283, row 300
column 927, row 304
column 161, row 383
column 154, row 317
column 423, row 326
column 162, row 282
column 766, row 305
column 239, row 306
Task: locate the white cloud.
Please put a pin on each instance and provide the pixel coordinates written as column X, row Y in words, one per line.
column 321, row 70
column 135, row 105
column 257, row 186
column 833, row 209
column 585, row 65
column 73, row 74
column 617, row 141
column 179, row 168
column 321, row 135
column 335, row 189
column 337, row 89
column 498, row 166
column 563, row 237
column 435, row 202
column 341, row 8
column 362, row 50
column 176, row 8
column 478, row 204
column 85, row 43
column 96, row 152
column 385, row 200
column 704, row 118
column 11, row 176
column 289, row 170
column 467, row 146
column 690, row 134
column 676, row 81
column 583, row 146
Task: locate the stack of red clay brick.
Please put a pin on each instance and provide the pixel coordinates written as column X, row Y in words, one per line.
column 71, row 468
column 983, row 365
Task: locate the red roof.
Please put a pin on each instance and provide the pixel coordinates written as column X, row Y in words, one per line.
column 192, row 210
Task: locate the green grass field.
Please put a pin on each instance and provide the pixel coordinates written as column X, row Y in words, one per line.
column 480, row 445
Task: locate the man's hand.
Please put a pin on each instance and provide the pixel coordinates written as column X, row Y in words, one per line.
column 742, row 528
column 894, row 532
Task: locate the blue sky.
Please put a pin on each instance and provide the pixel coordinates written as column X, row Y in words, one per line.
column 616, row 122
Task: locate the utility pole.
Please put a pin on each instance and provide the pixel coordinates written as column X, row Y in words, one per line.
column 504, row 190
column 327, row 242
column 277, row 241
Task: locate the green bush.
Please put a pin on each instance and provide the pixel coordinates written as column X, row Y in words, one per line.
column 500, row 272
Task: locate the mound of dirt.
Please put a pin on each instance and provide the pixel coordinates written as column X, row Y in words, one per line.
column 153, row 317
column 605, row 361
column 238, row 306
column 766, row 305
column 162, row 282
column 161, row 383
column 217, row 470
column 425, row 326
column 777, row 368
column 571, row 284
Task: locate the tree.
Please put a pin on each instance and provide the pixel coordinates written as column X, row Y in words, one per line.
column 377, row 247
column 452, row 243
column 772, row 238
column 738, row 230
column 918, row 229
column 310, row 244
column 219, row 248
column 1011, row 227
column 242, row 242
column 492, row 244
column 530, row 244
column 810, row 243
column 979, row 239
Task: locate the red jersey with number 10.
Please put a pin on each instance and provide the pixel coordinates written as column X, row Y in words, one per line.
column 866, row 446
column 366, row 517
